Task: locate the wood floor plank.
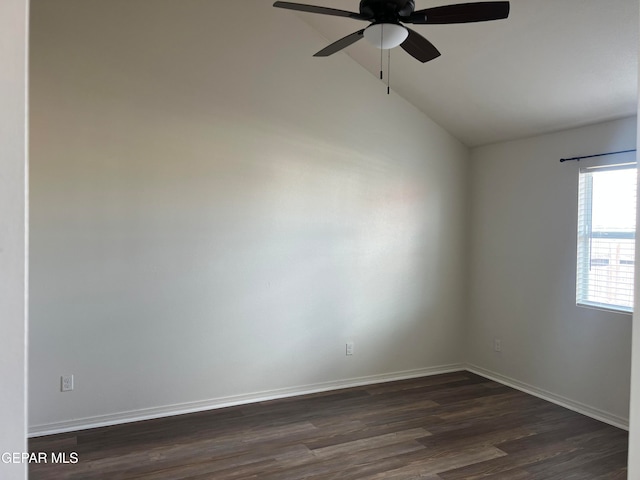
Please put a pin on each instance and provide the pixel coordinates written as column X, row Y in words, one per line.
column 446, row 427
column 352, row 447
column 432, row 464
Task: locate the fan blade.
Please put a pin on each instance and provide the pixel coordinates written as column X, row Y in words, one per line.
column 340, row 44
column 322, row 10
column 419, row 47
column 462, row 13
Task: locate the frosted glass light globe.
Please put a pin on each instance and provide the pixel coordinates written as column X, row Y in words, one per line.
column 386, row 35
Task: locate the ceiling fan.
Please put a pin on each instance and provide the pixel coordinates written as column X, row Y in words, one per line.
column 387, row 16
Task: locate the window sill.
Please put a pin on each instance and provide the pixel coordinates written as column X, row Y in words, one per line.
column 606, row 308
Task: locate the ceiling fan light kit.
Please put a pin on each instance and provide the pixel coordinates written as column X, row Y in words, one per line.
column 387, row 16
column 385, row 35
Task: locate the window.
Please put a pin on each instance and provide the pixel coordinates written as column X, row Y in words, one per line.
column 606, row 237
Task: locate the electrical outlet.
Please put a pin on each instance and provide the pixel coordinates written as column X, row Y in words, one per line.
column 349, row 349
column 497, row 345
column 66, row 383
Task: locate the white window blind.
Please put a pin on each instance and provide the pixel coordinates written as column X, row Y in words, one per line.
column 606, row 237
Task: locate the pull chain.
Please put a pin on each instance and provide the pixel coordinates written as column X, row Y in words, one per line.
column 389, row 73
column 381, row 40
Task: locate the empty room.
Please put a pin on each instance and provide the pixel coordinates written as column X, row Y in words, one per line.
column 377, row 239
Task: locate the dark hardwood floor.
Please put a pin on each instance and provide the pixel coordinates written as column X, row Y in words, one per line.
column 446, row 427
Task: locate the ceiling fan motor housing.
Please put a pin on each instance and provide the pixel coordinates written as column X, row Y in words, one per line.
column 386, row 11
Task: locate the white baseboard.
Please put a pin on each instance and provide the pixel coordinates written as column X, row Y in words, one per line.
column 587, row 410
column 215, row 403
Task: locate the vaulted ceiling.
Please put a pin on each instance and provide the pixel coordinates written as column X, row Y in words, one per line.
column 553, row 64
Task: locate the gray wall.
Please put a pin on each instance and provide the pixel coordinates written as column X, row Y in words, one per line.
column 522, row 290
column 215, row 213
column 13, row 135
column 634, row 414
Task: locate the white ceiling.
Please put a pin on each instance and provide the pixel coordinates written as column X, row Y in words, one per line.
column 553, row 64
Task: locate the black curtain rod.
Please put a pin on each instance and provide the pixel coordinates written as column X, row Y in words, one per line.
column 577, row 159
